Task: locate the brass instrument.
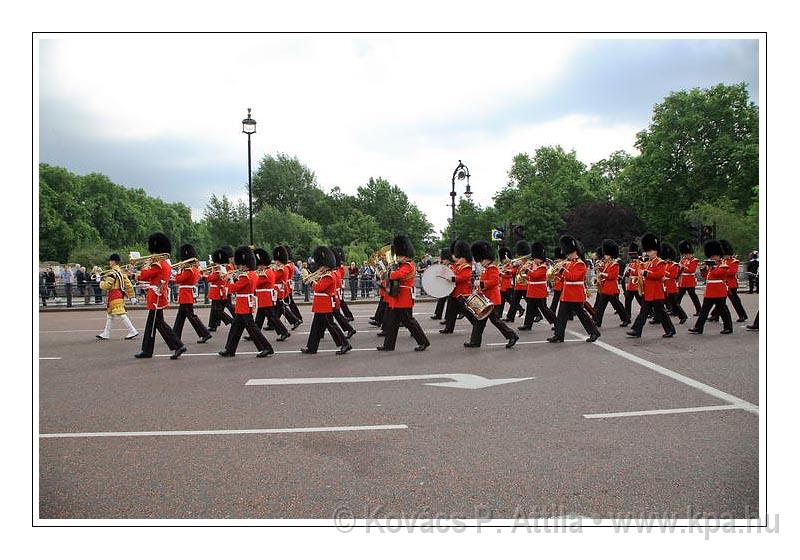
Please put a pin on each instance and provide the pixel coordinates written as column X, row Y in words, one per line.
column 381, row 260
column 552, row 272
column 141, row 262
column 309, row 278
column 185, row 264
column 520, row 261
column 107, row 271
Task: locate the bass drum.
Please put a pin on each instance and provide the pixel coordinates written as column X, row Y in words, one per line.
column 433, row 282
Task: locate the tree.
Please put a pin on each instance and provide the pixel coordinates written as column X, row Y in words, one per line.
column 282, row 182
column 741, row 230
column 280, row 227
column 594, row 221
column 472, row 222
column 701, row 145
column 226, row 223
column 603, row 176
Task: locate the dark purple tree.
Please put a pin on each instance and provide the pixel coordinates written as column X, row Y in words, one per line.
column 594, row 221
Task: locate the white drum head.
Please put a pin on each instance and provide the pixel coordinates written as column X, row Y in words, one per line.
column 433, row 283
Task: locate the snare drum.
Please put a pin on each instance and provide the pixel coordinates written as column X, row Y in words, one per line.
column 479, row 305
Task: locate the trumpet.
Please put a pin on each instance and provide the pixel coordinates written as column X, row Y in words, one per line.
column 185, row 264
column 146, row 260
column 519, row 261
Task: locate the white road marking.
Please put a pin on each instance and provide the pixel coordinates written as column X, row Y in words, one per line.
column 50, row 358
column 226, row 432
column 722, row 395
column 458, row 380
column 664, row 411
column 531, row 342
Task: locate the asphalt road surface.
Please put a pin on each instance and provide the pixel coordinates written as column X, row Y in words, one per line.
column 277, row 438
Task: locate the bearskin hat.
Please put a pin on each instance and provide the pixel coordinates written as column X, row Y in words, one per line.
column 569, row 245
column 280, row 254
column 446, row 254
column 538, row 251
column 633, row 247
column 244, row 255
column 712, row 248
column 187, row 252
column 522, row 248
column 685, row 247
column 650, row 242
column 727, row 248
column 610, row 248
column 599, row 251
column 558, row 253
column 289, row 252
column 228, row 250
column 668, row 251
column 481, row 250
column 323, row 256
column 338, row 255
column 504, row 253
column 114, row 257
column 461, row 250
column 402, row 246
column 219, row 257
column 159, row 243
column 262, row 257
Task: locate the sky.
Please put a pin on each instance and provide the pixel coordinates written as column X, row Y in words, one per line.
column 164, row 112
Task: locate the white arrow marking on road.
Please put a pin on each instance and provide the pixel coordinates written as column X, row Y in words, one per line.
column 457, row 380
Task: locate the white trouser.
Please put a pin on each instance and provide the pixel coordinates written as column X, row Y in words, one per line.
column 125, row 321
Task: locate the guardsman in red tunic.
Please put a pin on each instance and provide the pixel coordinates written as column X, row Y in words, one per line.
column 324, row 303
column 536, row 296
column 187, row 292
column 445, row 258
column 283, row 283
column 653, row 271
column 687, row 282
column 244, row 290
column 157, row 276
column 715, row 270
column 558, row 283
column 218, row 290
column 608, row 285
column 573, row 296
column 522, row 249
column 489, row 285
column 506, row 278
column 463, row 280
column 341, row 311
column 630, row 274
column 401, row 305
column 732, row 282
column 290, row 296
column 266, row 295
column 671, row 281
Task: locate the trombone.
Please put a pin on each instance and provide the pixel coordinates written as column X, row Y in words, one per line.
column 185, row 264
column 137, row 262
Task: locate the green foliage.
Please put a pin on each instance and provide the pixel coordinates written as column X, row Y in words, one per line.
column 226, row 223
column 272, row 226
column 741, row 230
column 472, row 222
column 284, row 183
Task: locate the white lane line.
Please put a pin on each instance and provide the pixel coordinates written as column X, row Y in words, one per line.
column 532, row 342
column 50, row 358
column 457, row 380
column 708, row 389
column 253, row 352
column 227, row 432
column 664, row 411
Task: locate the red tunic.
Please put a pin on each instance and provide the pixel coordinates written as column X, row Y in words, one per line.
column 688, row 270
column 610, row 284
column 406, row 273
column 654, row 279
column 217, row 287
column 506, row 278
column 324, row 294
column 574, row 278
column 732, row 280
column 265, row 288
column 716, row 285
column 490, row 283
column 521, row 281
column 244, row 288
column 537, row 282
column 280, row 279
column 187, row 280
column 634, row 267
column 672, row 272
column 158, row 277
column 463, row 279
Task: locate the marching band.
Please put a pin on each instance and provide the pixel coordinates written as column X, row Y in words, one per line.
column 261, row 283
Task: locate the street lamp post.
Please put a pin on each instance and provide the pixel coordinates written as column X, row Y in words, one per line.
column 249, row 128
column 461, row 172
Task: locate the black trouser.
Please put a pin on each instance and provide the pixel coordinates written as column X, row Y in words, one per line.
column 294, row 308
column 342, row 320
column 600, row 308
column 567, row 308
column 284, row 307
column 675, row 306
column 241, row 322
column 155, row 321
column 755, row 322
column 692, row 295
column 660, row 315
column 439, row 307
column 186, row 311
column 98, row 294
column 540, row 305
column 505, row 297
column 518, row 296
column 345, row 309
column 394, row 318
column 353, row 288
column 218, row 314
column 229, row 306
column 733, row 296
column 455, row 306
column 719, row 307
column 380, row 311
column 629, row 295
column 556, row 299
column 269, row 314
column 320, row 322
column 478, row 327
column 68, row 293
column 752, row 283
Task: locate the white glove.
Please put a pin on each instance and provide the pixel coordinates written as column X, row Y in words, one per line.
column 134, row 301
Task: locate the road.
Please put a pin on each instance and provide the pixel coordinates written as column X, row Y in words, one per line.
column 432, row 434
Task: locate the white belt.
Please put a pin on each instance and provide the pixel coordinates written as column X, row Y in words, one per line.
column 686, row 274
column 323, row 294
column 183, row 287
column 263, row 290
column 545, row 282
column 243, row 295
column 574, row 283
column 711, row 281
